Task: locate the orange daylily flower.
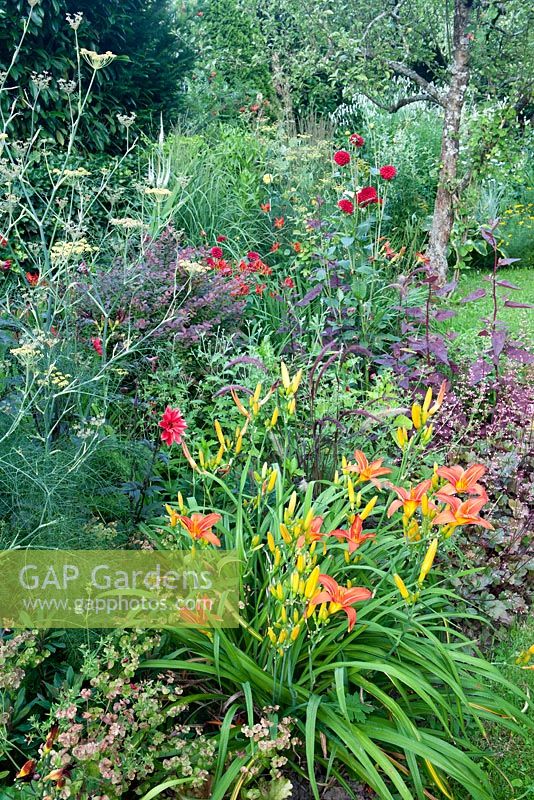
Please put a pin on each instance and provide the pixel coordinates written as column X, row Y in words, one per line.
column 199, row 527
column 279, row 222
column 462, row 480
column 354, row 536
column 463, row 513
column 410, row 500
column 312, row 533
column 265, row 207
column 59, row 776
column 340, row 598
column 368, row 471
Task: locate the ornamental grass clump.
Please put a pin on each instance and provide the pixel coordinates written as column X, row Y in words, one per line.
column 347, row 620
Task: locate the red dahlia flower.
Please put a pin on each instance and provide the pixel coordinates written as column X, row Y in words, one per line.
column 388, row 172
column 221, row 238
column 366, row 196
column 253, row 256
column 174, row 426
column 97, row 344
column 289, row 283
column 217, row 252
column 356, row 140
column 346, row 206
column 342, row 158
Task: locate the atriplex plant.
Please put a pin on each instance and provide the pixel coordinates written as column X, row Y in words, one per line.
column 392, row 696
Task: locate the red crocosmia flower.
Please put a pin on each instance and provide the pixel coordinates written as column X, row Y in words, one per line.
column 463, row 513
column 260, row 288
column 297, row 247
column 253, row 256
column 275, row 246
column 339, row 598
column 266, row 207
column 221, row 238
column 356, row 140
column 96, row 341
column 199, row 527
column 5, row 265
column 173, row 425
column 241, row 289
column 388, row 172
column 279, row 222
column 347, row 206
column 289, row 283
column 462, row 480
column 366, row 196
column 354, row 536
column 342, row 158
column 216, row 252
column 32, row 278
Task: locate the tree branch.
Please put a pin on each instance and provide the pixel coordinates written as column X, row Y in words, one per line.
column 405, row 101
column 426, row 86
column 388, row 13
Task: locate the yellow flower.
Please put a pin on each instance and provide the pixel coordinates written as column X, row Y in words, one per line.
column 401, row 586
column 267, row 178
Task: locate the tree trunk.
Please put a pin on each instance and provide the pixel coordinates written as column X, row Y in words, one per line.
column 443, row 218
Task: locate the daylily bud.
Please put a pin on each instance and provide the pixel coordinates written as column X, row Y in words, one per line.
column 416, row 416
column 218, row 431
column 292, row 504
column 428, row 560
column 270, row 542
column 274, row 418
column 272, row 480
column 401, row 586
column 295, row 632
column 368, row 508
column 311, row 583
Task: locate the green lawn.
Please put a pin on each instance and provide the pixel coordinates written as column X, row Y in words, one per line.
column 512, row 768
column 468, row 320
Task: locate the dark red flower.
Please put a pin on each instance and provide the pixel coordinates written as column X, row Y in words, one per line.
column 356, row 140
column 174, row 426
column 388, row 172
column 279, row 222
column 347, row 206
column 216, row 252
column 366, row 196
column 241, row 290
column 221, row 238
column 26, row 772
column 260, row 288
column 97, row 344
column 342, row 158
column 289, row 283
column 275, row 246
column 3, row 241
column 253, row 256
column 5, row 265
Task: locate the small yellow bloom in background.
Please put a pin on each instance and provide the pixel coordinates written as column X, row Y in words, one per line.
column 270, row 542
column 220, row 436
column 274, row 418
column 267, row 178
column 428, row 560
column 272, row 480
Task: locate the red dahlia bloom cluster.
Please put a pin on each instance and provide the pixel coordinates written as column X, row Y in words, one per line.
column 366, row 196
column 342, row 158
column 356, row 140
column 346, row 206
column 388, row 172
column 173, row 426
